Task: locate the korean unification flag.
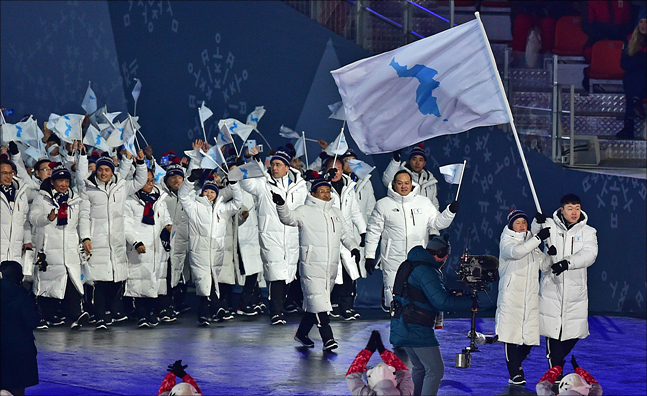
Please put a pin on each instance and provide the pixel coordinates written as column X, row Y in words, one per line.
column 101, row 116
column 360, row 168
column 339, row 146
column 20, row 132
column 452, row 173
column 204, row 113
column 288, row 133
column 137, row 89
column 89, row 101
column 300, row 146
column 68, row 127
column 93, row 138
column 337, row 110
column 255, row 116
column 158, row 172
column 224, row 136
column 122, row 132
column 212, row 158
column 443, row 84
column 236, row 127
column 130, row 146
column 250, row 170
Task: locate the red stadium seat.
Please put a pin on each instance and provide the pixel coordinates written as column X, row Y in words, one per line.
column 569, row 37
column 605, row 60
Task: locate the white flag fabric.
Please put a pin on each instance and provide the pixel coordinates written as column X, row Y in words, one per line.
column 250, row 170
column 288, row 133
column 121, row 134
column 360, row 168
column 53, row 117
column 212, row 157
column 35, row 153
column 89, row 101
column 237, row 128
column 337, row 110
column 158, row 173
column 20, row 132
column 68, row 127
column 452, row 173
column 300, row 146
column 339, row 146
column 255, row 116
column 204, row 112
column 444, row 84
column 223, row 137
column 137, row 89
column 99, row 116
column 111, row 116
column 130, row 146
column 93, row 138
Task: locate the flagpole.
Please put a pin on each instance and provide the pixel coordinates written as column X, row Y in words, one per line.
column 312, row 140
column 339, row 143
column 461, row 179
column 507, row 106
column 268, row 143
column 305, row 148
column 133, row 127
column 204, row 133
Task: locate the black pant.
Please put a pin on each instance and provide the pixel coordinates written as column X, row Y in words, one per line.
column 208, row 304
column 224, row 301
column 557, row 350
column 278, row 291
column 144, row 307
column 294, row 293
column 322, row 321
column 247, row 294
column 344, row 295
column 514, row 356
column 71, row 304
column 105, row 293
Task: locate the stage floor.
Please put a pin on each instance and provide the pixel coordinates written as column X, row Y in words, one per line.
column 249, row 357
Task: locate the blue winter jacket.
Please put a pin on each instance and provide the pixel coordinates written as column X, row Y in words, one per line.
column 428, row 278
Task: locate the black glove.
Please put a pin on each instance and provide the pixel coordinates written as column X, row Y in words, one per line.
column 196, row 174
column 543, row 234
column 378, row 342
column 83, row 151
column 540, row 217
column 475, row 302
column 559, row 267
column 453, row 207
column 177, row 368
column 396, row 155
column 574, row 362
column 165, row 236
column 240, row 161
column 41, row 261
column 356, row 255
column 370, row 266
column 330, row 174
column 232, row 182
column 372, row 341
column 362, row 241
column 310, row 174
column 552, row 251
column 13, row 148
column 278, row 199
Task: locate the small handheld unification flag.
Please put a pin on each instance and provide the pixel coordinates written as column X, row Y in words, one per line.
column 89, row 101
column 360, row 168
column 288, row 133
column 212, row 158
column 68, row 127
column 337, row 110
column 339, row 146
column 250, row 170
column 204, row 112
column 452, row 173
column 93, row 138
column 137, row 89
column 300, row 146
column 237, row 128
column 130, row 146
column 20, row 132
column 99, row 116
column 158, row 172
column 255, row 116
column 122, row 132
column 224, row 136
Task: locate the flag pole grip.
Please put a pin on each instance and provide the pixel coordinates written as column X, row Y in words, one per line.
column 460, row 181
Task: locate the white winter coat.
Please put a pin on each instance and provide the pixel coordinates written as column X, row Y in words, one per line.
column 365, row 196
column 425, row 179
column 247, row 233
column 402, row 222
column 104, row 225
column 279, row 243
column 179, row 234
column 564, row 299
column 14, row 227
column 147, row 271
column 322, row 230
column 59, row 243
column 352, row 215
column 517, row 314
column 207, row 228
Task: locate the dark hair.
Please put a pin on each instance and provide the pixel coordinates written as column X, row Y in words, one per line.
column 570, row 199
column 4, row 161
column 11, row 271
column 330, row 159
column 401, row 171
column 54, row 138
column 40, row 162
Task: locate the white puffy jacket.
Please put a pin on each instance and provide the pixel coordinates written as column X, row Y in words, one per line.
column 104, row 225
column 402, row 222
column 564, row 299
column 365, row 196
column 517, row 314
column 322, row 229
column 247, row 233
column 59, row 243
column 179, row 234
column 279, row 242
column 147, row 271
column 14, row 227
column 425, row 179
column 207, row 228
column 352, row 214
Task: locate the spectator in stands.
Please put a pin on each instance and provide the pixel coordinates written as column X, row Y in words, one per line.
column 634, row 63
